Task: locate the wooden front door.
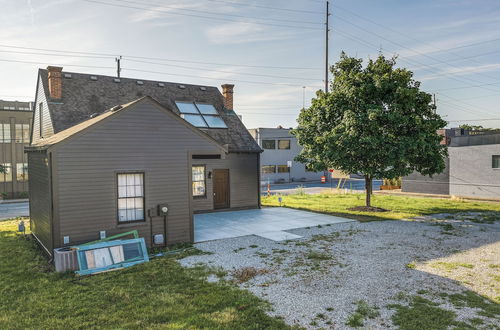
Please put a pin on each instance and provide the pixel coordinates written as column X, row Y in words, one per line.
column 221, row 188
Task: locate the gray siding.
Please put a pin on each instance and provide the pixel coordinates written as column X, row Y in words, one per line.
column 437, row 184
column 243, row 181
column 471, row 172
column 47, row 128
column 142, row 138
column 40, row 203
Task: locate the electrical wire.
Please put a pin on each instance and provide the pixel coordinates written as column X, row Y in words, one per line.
column 163, row 59
column 201, row 16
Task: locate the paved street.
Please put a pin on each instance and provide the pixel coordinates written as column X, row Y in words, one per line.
column 12, row 210
column 317, row 187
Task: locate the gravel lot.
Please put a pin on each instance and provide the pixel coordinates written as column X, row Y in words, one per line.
column 317, row 281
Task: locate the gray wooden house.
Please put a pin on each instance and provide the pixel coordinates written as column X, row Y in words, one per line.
column 109, row 155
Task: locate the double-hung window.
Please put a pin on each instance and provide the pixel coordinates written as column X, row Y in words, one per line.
column 130, row 197
column 200, row 115
column 199, row 182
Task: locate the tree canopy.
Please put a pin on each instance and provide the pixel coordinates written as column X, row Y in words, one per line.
column 375, row 120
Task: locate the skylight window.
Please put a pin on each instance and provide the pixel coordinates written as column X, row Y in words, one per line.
column 200, row 115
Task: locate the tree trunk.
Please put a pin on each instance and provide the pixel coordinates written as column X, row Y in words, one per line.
column 368, row 188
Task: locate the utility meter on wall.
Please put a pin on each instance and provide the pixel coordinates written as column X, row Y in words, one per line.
column 162, row 209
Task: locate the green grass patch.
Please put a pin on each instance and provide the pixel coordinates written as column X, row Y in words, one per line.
column 362, row 312
column 400, row 207
column 451, row 265
column 315, row 255
column 422, row 313
column 157, row 294
column 487, row 307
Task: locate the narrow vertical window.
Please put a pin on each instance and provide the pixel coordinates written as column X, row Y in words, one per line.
column 5, row 133
column 40, row 116
column 22, row 172
column 130, row 197
column 5, row 172
column 199, row 181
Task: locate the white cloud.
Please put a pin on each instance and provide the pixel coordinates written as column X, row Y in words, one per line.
column 240, row 32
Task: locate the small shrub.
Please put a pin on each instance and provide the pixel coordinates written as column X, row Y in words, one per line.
column 355, row 320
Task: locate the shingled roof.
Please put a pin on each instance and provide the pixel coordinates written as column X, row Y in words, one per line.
column 86, row 95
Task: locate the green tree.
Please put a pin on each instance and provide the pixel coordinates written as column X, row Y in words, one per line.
column 472, row 127
column 374, row 121
column 2, row 169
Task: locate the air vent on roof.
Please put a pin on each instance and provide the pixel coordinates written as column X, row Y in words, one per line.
column 203, row 88
column 182, row 86
column 116, row 80
column 139, row 82
column 93, row 77
column 67, row 75
column 161, row 84
column 116, row 108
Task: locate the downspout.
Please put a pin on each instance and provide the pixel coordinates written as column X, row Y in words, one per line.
column 258, row 180
column 51, row 187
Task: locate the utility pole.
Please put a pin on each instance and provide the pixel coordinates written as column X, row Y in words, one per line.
column 303, row 97
column 118, row 68
column 326, row 45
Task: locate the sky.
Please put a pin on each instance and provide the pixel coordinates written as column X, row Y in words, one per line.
column 273, row 51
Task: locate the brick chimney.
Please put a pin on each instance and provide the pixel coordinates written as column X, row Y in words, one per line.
column 55, row 81
column 227, row 92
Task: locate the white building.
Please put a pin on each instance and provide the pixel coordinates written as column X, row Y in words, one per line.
column 277, row 161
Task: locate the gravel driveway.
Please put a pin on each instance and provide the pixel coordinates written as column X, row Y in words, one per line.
column 320, row 279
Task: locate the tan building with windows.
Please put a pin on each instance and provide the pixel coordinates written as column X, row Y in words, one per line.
column 15, row 123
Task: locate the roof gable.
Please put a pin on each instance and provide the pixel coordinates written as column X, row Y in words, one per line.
column 80, row 128
column 85, row 95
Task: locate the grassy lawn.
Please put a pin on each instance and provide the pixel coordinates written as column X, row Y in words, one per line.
column 400, row 207
column 158, row 294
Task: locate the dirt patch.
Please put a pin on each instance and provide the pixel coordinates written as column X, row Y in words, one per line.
column 245, row 274
column 367, row 209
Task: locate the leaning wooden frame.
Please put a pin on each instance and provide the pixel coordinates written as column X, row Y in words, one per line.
column 106, row 256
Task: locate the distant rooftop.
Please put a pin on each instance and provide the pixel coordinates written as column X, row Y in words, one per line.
column 15, row 106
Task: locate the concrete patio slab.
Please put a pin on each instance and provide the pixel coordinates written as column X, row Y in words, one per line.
column 219, row 225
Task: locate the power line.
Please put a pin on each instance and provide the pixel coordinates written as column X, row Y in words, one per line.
column 462, row 120
column 200, row 16
column 408, row 48
column 268, row 7
column 412, row 62
column 113, row 55
column 211, row 78
column 224, row 14
column 414, row 39
column 156, row 72
column 70, row 65
column 222, row 71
